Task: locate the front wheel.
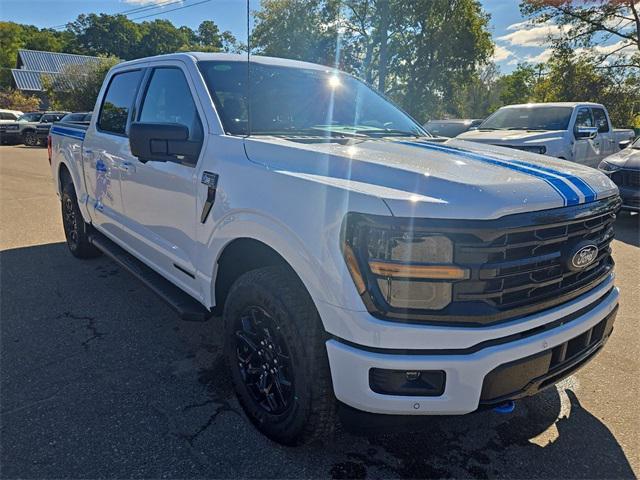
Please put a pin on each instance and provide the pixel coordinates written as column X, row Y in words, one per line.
column 30, row 139
column 274, row 345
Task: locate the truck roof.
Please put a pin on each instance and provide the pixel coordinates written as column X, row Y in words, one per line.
column 229, row 57
column 555, row 104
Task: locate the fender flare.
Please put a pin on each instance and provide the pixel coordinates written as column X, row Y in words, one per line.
column 76, row 182
column 274, row 234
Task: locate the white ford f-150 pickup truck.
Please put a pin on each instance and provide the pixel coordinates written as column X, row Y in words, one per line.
column 357, row 263
column 580, row 132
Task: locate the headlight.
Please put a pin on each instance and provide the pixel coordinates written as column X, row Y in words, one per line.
column 398, row 266
column 540, row 149
column 608, row 167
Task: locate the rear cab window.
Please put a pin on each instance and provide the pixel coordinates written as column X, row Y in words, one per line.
column 118, row 102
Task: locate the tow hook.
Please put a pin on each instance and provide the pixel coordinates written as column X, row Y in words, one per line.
column 506, row 407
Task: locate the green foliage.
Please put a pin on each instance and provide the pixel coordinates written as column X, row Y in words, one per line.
column 76, row 88
column 518, row 86
column 14, row 36
column 16, row 100
column 297, row 29
column 421, row 53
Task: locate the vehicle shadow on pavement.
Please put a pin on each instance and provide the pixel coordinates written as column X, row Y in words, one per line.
column 100, row 379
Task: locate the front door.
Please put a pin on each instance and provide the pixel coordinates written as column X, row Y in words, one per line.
column 586, row 151
column 160, row 197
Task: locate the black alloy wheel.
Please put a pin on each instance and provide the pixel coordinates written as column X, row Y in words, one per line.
column 70, row 222
column 264, row 360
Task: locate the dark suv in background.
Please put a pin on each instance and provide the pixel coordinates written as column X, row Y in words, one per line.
column 31, row 128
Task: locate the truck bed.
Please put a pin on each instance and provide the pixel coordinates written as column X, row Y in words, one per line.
column 70, row 129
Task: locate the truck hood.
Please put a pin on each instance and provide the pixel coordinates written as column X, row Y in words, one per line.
column 436, row 179
column 510, row 136
column 627, row 158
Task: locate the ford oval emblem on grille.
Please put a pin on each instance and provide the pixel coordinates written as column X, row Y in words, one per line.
column 583, row 256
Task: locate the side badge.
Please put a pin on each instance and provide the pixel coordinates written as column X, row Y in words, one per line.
column 211, row 181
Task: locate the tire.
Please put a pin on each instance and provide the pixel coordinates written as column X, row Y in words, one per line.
column 76, row 230
column 271, row 305
column 30, row 139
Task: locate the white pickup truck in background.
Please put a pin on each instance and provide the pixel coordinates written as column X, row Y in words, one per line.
column 358, row 264
column 576, row 131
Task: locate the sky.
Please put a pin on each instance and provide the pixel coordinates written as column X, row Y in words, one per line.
column 516, row 40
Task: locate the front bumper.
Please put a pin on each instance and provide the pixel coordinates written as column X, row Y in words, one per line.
column 630, row 198
column 10, row 136
column 471, row 378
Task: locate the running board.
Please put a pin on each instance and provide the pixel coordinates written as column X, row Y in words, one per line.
column 184, row 305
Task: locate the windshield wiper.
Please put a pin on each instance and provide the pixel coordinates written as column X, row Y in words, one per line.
column 387, row 132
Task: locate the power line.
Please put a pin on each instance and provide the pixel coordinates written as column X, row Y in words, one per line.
column 132, row 11
column 172, row 10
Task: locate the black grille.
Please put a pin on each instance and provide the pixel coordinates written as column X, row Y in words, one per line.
column 626, row 178
column 525, row 267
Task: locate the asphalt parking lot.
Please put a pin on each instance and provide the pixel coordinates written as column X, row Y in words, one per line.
column 99, row 379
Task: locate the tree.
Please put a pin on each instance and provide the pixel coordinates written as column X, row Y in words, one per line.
column 106, row 35
column 298, row 29
column 421, row 53
column 16, row 100
column 518, row 86
column 11, row 41
column 159, row 37
column 77, row 87
column 570, row 77
column 609, row 30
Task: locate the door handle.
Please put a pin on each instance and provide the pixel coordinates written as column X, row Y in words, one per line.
column 127, row 167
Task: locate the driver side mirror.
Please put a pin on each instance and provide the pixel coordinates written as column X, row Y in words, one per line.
column 624, row 144
column 586, row 132
column 163, row 142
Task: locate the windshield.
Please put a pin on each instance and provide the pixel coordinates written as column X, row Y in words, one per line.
column 446, row 129
column 298, row 101
column 636, row 145
column 529, row 118
column 30, row 117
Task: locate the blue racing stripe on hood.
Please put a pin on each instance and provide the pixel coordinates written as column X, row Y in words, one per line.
column 589, row 193
column 568, row 195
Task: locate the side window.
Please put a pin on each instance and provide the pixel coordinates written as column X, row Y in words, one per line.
column 117, row 102
column 600, row 120
column 168, row 99
column 50, row 118
column 584, row 118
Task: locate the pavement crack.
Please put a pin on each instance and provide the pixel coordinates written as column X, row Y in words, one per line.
column 95, row 334
column 223, row 406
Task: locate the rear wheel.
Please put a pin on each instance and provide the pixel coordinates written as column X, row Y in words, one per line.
column 30, row 139
column 274, row 345
column 76, row 230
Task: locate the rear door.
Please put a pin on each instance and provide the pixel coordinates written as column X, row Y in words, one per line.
column 106, row 153
column 586, row 150
column 160, row 197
